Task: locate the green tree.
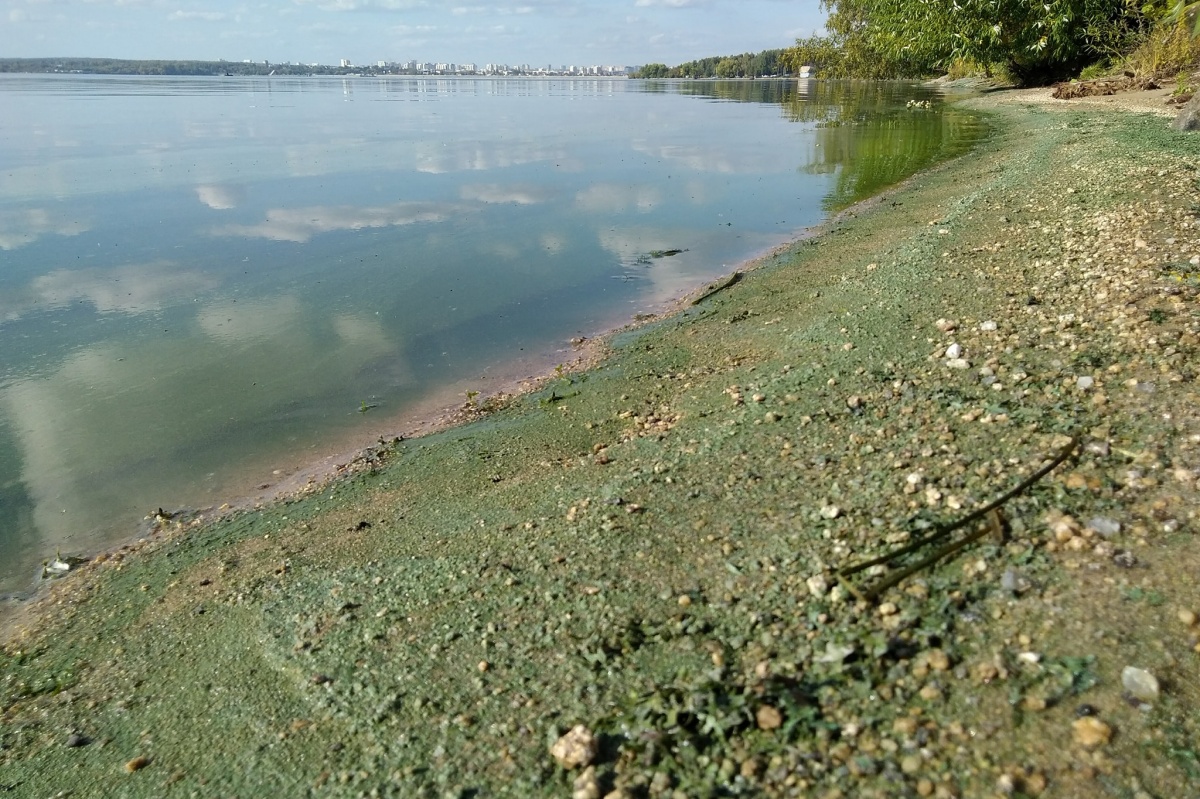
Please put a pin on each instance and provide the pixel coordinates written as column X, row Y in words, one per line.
column 1035, row 40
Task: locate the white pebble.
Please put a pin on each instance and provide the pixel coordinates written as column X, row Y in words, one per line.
column 954, row 351
column 958, row 363
column 1140, row 684
column 1084, row 383
column 987, row 326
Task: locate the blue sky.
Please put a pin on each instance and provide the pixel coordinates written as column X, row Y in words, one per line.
column 616, row 32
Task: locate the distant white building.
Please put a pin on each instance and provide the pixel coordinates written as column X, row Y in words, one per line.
column 346, row 63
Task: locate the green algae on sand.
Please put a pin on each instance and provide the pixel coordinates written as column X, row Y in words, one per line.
column 653, row 554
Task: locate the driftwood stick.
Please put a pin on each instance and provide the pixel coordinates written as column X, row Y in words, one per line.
column 942, row 532
column 871, row 593
column 720, row 285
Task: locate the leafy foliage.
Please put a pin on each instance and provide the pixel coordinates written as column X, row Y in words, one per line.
column 1031, row 40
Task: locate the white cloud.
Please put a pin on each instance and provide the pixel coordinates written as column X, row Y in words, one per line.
column 670, row 3
column 201, row 16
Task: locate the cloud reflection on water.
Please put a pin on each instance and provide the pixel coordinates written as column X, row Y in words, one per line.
column 220, row 198
column 518, row 195
column 301, row 224
column 24, row 227
column 133, row 288
column 611, row 198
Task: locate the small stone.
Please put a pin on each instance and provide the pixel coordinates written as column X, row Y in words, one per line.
column 483, row 666
column 1090, row 732
column 946, row 325
column 938, row 660
column 137, row 764
column 958, row 363
column 1104, row 527
column 1187, row 617
column 888, row 609
column 854, row 402
column 1140, row 684
column 987, row 326
column 769, row 718
column 818, row 586
column 830, row 511
column 930, row 693
column 1014, row 582
column 684, row 601
column 924, row 787
column 585, row 785
column 910, row 764
column 577, row 748
column 76, row 740
column 954, row 351
column 1084, row 383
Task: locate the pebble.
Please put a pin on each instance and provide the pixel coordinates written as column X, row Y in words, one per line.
column 818, row 586
column 585, row 785
column 1084, row 383
column 1104, row 527
column 830, row 512
column 958, row 363
column 954, row 351
column 1140, row 684
column 1090, row 732
column 987, row 326
column 137, row 764
column 577, row 748
column 1188, row 617
column 769, row 718
column 1014, row 582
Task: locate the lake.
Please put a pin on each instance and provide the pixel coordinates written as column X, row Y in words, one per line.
column 207, row 284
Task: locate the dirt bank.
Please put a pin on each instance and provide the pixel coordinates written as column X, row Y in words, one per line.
column 653, row 549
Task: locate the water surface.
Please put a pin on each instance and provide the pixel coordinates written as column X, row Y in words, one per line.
column 203, row 281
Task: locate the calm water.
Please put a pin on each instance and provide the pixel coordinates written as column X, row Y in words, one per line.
column 203, row 280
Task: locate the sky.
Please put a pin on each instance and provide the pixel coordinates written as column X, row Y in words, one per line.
column 536, row 32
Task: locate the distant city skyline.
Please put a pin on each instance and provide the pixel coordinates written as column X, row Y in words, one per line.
column 364, row 32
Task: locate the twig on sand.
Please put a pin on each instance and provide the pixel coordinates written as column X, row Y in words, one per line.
column 990, row 510
column 720, row 285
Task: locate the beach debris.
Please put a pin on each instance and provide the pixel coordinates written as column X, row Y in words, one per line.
column 60, row 565
column 577, row 748
column 720, row 285
column 994, row 526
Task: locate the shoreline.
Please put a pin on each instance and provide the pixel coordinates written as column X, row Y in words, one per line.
column 652, row 548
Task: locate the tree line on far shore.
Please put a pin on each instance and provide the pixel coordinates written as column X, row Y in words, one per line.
column 1025, row 42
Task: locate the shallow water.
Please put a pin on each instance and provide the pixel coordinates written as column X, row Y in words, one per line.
column 204, row 281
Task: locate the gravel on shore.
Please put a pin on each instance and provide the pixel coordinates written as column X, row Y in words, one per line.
column 628, row 584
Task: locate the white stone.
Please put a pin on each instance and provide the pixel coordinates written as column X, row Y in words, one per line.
column 987, row 326
column 817, row 585
column 958, row 363
column 954, row 351
column 1084, row 383
column 1140, row 684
